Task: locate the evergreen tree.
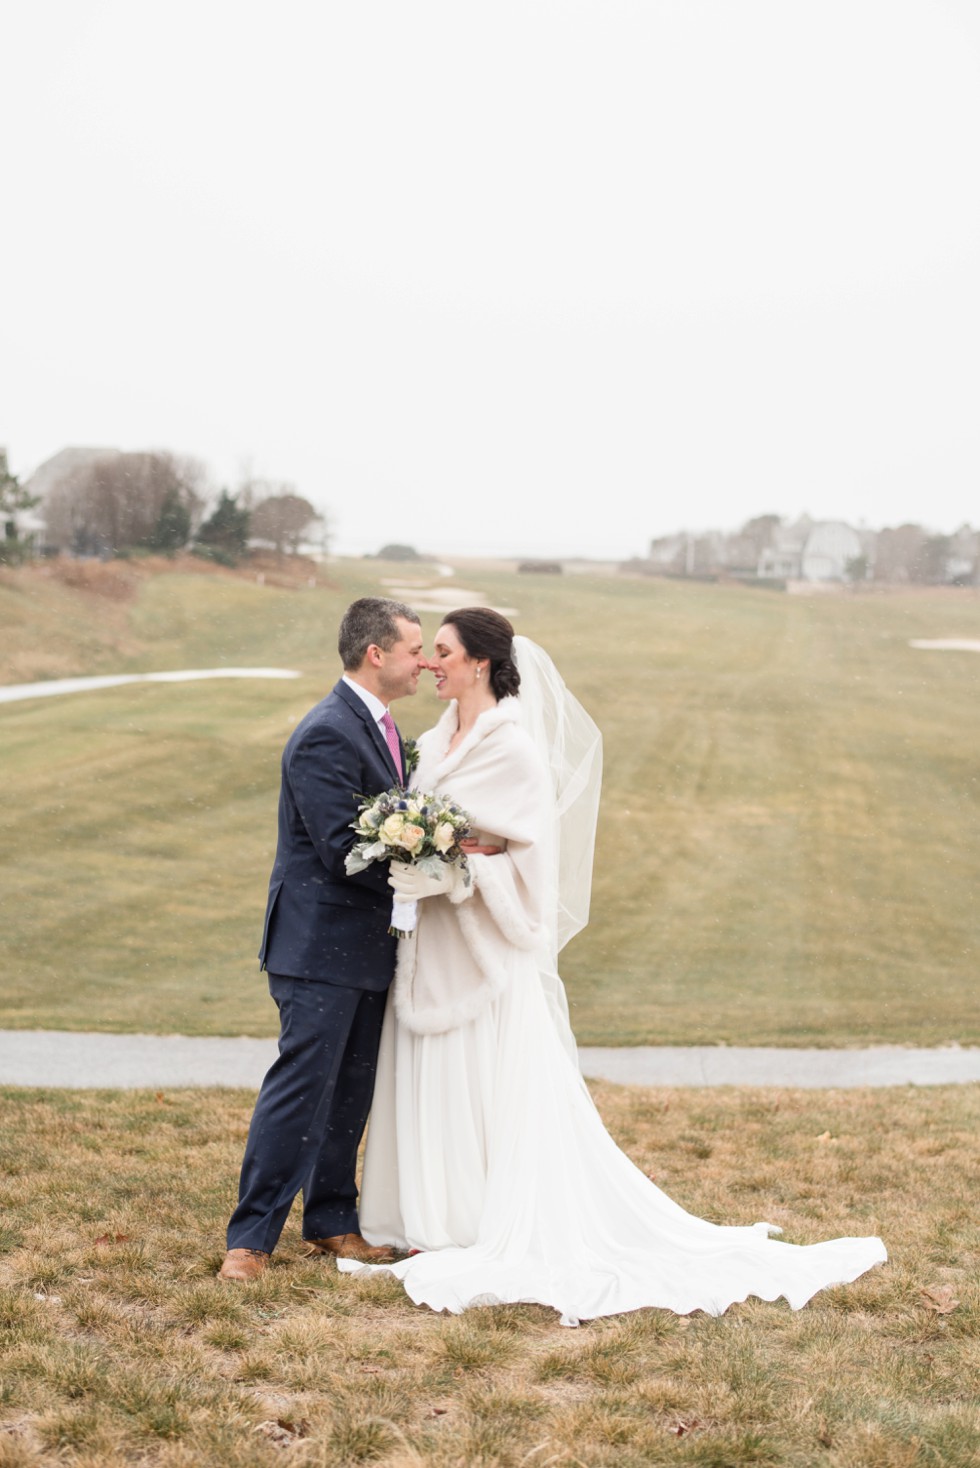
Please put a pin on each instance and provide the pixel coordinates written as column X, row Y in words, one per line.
column 13, row 499
column 225, row 535
column 173, row 528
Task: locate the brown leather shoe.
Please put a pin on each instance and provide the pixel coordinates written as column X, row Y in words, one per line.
column 352, row 1246
column 243, row 1265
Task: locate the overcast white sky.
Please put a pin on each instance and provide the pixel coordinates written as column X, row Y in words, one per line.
column 522, row 276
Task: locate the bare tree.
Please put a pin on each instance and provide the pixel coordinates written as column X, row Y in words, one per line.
column 760, row 533
column 931, row 562
column 283, row 519
column 899, row 553
column 128, row 501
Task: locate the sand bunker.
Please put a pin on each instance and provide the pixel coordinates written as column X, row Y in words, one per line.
column 440, row 598
column 946, row 644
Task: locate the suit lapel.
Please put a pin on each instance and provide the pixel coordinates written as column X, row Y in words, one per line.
column 362, row 711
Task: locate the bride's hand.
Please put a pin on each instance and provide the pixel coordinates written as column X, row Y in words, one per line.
column 409, row 884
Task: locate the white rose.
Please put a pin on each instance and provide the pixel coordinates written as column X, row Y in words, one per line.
column 391, row 829
column 443, row 836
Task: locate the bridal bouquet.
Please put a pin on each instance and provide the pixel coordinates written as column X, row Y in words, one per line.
column 408, row 826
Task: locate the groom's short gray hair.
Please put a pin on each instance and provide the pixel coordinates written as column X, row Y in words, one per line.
column 370, row 619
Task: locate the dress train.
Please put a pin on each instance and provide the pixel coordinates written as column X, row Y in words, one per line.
column 486, row 1153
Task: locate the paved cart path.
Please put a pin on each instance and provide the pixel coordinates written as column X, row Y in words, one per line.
column 14, row 692
column 86, row 1061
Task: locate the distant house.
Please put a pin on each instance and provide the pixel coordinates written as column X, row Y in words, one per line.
column 50, row 478
column 963, row 557
column 741, row 555
column 63, row 466
column 820, row 553
column 829, row 548
column 782, row 559
column 911, row 553
column 30, row 530
column 811, row 551
column 688, row 554
column 667, row 553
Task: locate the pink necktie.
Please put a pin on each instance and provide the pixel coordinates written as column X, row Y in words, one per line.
column 391, row 736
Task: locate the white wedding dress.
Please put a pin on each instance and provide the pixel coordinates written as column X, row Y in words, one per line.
column 485, row 1151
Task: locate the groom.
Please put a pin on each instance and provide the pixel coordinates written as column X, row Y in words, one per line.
column 328, row 953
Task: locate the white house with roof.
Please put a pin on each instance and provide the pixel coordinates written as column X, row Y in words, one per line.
column 782, row 559
column 811, row 551
column 828, row 549
column 963, row 559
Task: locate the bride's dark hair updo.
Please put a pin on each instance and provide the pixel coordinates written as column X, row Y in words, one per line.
column 484, row 633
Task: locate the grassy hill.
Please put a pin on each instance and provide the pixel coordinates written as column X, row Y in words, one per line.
column 788, row 847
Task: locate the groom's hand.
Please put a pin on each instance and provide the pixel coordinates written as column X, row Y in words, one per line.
column 473, row 848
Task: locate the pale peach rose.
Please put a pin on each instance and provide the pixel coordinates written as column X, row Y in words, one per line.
column 412, row 837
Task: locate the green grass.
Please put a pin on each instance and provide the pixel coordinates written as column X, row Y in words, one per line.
column 118, row 1346
column 788, row 847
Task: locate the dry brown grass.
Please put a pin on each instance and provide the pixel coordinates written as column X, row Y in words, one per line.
column 120, row 580
column 66, row 618
column 120, row 1347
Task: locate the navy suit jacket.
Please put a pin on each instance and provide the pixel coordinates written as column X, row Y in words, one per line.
column 319, row 922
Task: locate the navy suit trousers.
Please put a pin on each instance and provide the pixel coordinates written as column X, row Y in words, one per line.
column 310, row 1114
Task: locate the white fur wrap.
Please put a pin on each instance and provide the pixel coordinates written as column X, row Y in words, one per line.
column 461, row 954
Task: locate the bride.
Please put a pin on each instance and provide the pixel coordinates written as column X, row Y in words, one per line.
column 486, row 1156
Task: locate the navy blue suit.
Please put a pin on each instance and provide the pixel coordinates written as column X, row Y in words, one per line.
column 330, row 960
